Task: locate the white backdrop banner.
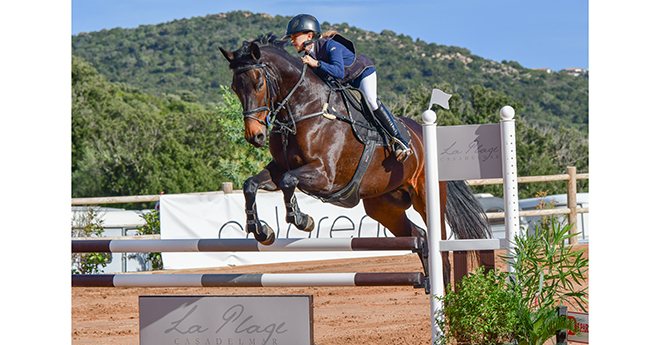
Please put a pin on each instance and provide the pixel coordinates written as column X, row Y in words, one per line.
column 194, row 216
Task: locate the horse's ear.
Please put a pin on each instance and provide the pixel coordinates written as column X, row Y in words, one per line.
column 228, row 55
column 255, row 51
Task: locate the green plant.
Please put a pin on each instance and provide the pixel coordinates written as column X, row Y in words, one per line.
column 545, row 221
column 87, row 223
column 481, row 311
column 152, row 227
column 547, row 272
column 540, row 325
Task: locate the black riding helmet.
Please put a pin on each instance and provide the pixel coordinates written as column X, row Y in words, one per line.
column 302, row 23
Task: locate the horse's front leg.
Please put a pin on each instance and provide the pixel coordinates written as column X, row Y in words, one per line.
column 262, row 232
column 309, row 178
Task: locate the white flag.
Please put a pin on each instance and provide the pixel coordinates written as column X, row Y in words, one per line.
column 440, row 98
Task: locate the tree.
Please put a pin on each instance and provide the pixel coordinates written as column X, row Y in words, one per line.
column 87, row 223
column 125, row 141
column 540, row 150
column 486, row 104
column 128, row 142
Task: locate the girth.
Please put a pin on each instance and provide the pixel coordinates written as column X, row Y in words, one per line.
column 368, row 132
column 349, row 196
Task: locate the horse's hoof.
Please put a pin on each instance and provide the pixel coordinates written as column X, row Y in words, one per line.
column 267, row 237
column 307, row 224
column 419, row 232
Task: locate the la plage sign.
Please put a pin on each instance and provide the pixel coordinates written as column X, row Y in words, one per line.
column 469, row 152
column 225, row 320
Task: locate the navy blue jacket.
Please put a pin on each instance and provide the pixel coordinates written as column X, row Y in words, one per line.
column 337, row 58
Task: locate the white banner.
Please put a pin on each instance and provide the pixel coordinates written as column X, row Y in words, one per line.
column 194, row 216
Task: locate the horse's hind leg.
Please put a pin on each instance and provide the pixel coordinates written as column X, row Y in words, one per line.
column 390, row 211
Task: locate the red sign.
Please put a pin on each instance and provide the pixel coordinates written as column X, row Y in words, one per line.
column 582, row 320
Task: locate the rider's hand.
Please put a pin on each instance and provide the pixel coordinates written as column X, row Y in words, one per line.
column 310, row 61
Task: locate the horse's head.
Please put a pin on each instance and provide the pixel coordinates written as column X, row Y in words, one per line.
column 254, row 86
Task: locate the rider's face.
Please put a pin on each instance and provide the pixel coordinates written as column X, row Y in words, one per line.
column 298, row 39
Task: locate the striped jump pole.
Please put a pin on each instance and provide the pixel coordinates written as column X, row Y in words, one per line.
column 245, row 245
column 415, row 279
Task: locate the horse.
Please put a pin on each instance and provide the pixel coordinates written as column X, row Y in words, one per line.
column 312, row 150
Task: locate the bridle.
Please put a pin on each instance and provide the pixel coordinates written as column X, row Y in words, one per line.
column 271, row 85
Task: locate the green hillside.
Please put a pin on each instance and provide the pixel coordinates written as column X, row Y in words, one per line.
column 151, row 110
column 182, row 57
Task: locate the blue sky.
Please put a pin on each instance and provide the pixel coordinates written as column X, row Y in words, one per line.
column 550, row 34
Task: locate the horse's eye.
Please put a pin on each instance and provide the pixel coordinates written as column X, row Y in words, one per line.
column 259, row 83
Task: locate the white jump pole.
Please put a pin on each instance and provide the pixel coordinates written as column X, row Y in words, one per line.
column 510, row 177
column 433, row 220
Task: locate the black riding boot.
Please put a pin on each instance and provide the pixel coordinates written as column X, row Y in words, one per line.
column 401, row 149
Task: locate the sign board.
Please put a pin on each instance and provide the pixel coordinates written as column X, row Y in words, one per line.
column 222, row 320
column 582, row 320
column 469, row 152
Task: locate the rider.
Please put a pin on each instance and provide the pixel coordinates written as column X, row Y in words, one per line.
column 334, row 55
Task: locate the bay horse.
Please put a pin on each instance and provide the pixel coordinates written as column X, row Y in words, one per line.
column 319, row 155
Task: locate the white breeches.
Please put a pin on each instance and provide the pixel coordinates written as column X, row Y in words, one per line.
column 369, row 85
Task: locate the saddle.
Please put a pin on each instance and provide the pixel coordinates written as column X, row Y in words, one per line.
column 369, row 132
column 364, row 124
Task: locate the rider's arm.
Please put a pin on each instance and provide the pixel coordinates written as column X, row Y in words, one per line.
column 338, row 55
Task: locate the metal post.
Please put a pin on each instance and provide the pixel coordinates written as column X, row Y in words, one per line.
column 433, row 220
column 571, row 202
column 560, row 336
column 510, row 176
column 123, row 255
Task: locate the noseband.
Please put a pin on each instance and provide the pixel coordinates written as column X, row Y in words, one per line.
column 271, row 84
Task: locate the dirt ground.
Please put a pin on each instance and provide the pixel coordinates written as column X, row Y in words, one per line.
column 342, row 315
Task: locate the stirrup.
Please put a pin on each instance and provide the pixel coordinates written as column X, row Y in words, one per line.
column 402, row 151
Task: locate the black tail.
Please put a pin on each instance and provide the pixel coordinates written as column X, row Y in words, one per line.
column 465, row 215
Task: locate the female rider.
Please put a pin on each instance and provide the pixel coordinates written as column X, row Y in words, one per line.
column 334, row 55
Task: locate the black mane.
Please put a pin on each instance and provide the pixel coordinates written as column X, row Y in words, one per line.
column 263, row 40
column 243, row 56
column 269, row 39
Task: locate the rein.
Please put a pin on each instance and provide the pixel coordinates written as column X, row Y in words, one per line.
column 271, row 83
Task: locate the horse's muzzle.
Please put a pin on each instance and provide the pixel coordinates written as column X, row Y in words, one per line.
column 258, row 140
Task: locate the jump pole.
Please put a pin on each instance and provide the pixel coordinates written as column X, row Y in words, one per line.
column 415, row 279
column 245, row 245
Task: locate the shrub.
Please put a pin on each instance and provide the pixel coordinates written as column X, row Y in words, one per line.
column 152, row 227
column 481, row 311
column 520, row 307
column 87, row 223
